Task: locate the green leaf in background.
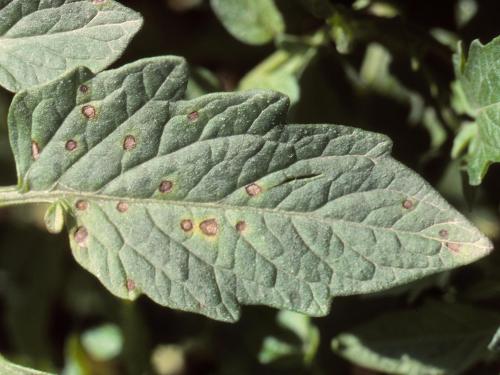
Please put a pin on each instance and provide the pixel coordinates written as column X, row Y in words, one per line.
column 466, row 134
column 211, row 203
column 375, row 75
column 250, row 21
column 40, row 40
column 274, row 349
column 465, row 11
column 103, row 343
column 95, row 351
column 479, row 78
column 201, row 81
column 495, row 342
column 8, row 368
column 437, row 339
column 169, row 360
column 282, row 70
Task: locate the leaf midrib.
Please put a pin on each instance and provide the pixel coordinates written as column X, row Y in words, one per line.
column 56, row 195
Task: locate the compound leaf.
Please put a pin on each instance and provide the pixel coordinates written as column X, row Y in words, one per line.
column 479, row 79
column 214, row 202
column 40, row 40
column 437, row 339
column 250, row 21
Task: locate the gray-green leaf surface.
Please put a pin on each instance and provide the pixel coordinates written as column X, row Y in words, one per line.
column 40, row 40
column 437, row 339
column 211, row 203
column 479, row 78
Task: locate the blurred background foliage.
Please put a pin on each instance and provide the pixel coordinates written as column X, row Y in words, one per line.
column 381, row 65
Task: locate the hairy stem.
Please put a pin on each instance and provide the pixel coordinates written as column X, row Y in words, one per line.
column 10, row 196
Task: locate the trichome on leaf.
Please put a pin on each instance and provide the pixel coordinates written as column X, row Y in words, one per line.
column 210, row 211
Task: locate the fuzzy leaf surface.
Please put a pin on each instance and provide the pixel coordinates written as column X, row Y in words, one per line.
column 479, row 78
column 40, row 40
column 211, row 203
column 435, row 340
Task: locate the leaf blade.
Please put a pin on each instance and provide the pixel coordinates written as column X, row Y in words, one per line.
column 210, row 203
column 441, row 339
column 478, row 78
column 250, row 21
column 40, row 41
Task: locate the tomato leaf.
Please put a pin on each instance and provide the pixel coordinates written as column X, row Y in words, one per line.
column 250, row 21
column 479, row 80
column 210, row 203
column 40, row 40
column 437, row 339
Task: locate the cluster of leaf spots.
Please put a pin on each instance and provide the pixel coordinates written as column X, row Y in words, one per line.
column 211, row 203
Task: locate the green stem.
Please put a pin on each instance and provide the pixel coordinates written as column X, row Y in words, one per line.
column 10, row 196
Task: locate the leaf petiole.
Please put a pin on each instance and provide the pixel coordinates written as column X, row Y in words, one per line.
column 10, row 196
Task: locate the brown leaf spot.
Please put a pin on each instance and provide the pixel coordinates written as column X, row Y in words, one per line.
column 82, row 205
column 166, row 186
column 209, row 227
column 81, row 235
column 130, row 285
column 455, row 247
column 35, row 150
column 186, row 225
column 71, row 145
column 129, row 143
column 408, row 204
column 253, row 190
column 122, row 207
column 443, row 233
column 241, row 226
column 193, row 116
column 89, row 111
column 84, row 89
